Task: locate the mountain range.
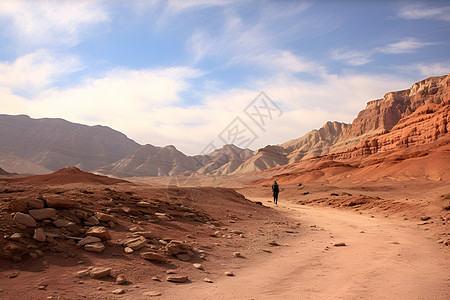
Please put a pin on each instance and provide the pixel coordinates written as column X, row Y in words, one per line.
column 418, row 115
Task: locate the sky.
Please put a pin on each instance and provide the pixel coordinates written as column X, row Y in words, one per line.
column 200, row 74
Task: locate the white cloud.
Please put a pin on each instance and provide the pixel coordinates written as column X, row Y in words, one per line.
column 50, row 22
column 351, row 57
column 36, row 70
column 420, row 11
column 406, row 45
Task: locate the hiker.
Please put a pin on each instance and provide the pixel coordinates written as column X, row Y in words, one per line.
column 275, row 190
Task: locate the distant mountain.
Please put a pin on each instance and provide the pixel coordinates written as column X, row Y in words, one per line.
column 56, row 143
column 224, row 160
column 3, row 172
column 13, row 163
column 150, row 160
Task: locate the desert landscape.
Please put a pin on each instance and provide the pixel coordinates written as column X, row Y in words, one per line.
column 363, row 213
column 224, row 149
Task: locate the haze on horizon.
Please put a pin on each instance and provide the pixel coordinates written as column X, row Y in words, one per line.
column 179, row 72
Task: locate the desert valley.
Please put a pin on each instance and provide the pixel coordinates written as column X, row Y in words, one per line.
column 363, row 211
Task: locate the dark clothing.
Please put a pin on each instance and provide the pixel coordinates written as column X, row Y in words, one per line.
column 275, row 190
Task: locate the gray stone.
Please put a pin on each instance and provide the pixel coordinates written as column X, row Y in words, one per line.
column 94, row 247
column 25, row 219
column 89, row 240
column 15, row 236
column 63, row 223
column 39, row 235
column 42, row 213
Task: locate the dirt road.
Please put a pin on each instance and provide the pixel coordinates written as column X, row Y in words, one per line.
column 383, row 259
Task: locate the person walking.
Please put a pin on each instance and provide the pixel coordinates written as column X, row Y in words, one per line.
column 275, row 190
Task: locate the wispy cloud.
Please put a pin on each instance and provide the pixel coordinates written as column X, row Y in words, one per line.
column 362, row 57
column 426, row 69
column 352, row 57
column 407, row 45
column 50, row 22
column 421, row 11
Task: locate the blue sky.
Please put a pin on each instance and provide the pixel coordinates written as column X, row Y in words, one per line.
column 180, row 72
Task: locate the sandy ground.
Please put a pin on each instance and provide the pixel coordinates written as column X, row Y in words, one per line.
column 383, row 259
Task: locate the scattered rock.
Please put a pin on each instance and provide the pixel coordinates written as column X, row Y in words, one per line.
column 143, row 204
column 229, row 273
column 100, row 232
column 89, row 240
column 42, row 287
column 135, row 243
column 274, row 243
column 63, row 223
column 177, row 278
column 153, row 257
column 25, row 219
column 339, row 245
column 208, row 280
column 121, row 279
column 15, row 236
column 425, row 218
column 39, row 235
column 177, row 247
column 118, row 292
column 237, row 254
column 156, row 278
column 128, row 250
column 184, row 257
column 198, row 266
column 94, row 247
column 152, row 294
column 58, row 201
column 105, row 217
column 83, row 273
column 266, row 250
column 92, row 221
column 42, row 213
column 100, row 272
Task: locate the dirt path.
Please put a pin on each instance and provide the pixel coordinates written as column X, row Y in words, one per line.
column 383, row 259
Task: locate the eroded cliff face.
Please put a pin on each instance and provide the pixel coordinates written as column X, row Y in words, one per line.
column 402, row 119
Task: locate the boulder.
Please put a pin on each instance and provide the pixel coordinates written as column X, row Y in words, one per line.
column 25, row 219
column 58, row 201
column 39, row 235
column 100, row 232
column 89, row 240
column 94, row 247
column 177, row 278
column 25, row 204
column 42, row 213
column 153, row 256
column 100, row 272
